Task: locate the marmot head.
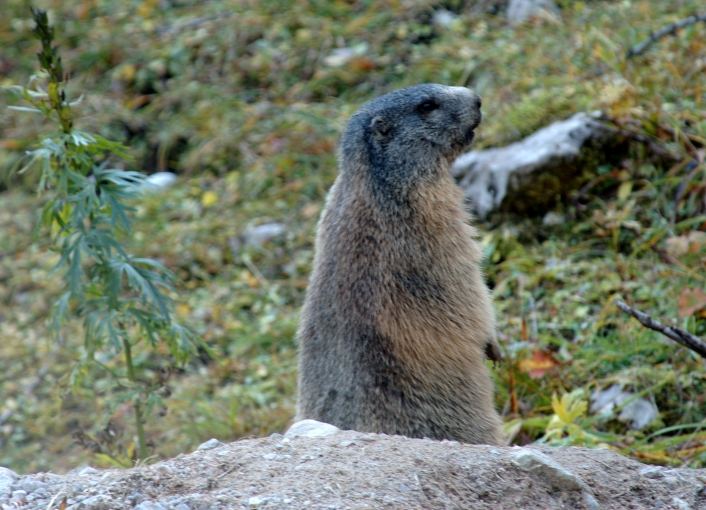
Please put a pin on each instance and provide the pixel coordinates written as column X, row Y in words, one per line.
column 410, row 134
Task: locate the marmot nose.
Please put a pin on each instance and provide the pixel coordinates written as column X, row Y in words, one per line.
column 477, row 102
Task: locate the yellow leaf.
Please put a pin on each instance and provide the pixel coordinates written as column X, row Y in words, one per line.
column 555, row 427
column 624, row 190
column 209, row 198
column 146, row 8
column 182, row 310
column 64, row 215
column 234, row 324
column 557, row 405
column 216, row 312
column 570, row 407
column 251, row 280
column 127, row 72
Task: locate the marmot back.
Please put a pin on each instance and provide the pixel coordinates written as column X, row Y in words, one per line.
column 397, row 318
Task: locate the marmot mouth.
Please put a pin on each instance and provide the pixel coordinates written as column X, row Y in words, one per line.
column 462, row 143
column 468, row 135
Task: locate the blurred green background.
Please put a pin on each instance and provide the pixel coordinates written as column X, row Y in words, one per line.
column 245, row 100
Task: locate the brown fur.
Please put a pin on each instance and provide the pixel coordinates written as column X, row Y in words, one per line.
column 397, row 317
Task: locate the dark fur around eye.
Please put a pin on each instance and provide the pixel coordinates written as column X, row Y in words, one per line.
column 427, row 106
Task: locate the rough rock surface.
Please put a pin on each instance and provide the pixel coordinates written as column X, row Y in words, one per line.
column 358, row 471
column 537, row 169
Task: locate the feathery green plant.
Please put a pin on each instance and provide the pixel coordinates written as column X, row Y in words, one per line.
column 121, row 299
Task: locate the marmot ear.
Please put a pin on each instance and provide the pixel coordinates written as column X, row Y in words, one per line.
column 380, row 127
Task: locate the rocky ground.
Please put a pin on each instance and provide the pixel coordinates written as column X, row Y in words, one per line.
column 320, row 467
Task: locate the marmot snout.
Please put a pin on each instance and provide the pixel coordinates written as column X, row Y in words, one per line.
column 397, row 317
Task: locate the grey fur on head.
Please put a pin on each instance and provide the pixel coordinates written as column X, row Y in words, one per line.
column 411, row 129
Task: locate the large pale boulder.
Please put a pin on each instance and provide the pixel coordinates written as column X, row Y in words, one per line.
column 535, row 172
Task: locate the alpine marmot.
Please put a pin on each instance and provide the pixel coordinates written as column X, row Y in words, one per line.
column 398, row 321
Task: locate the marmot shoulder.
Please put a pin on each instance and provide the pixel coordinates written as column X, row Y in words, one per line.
column 397, row 317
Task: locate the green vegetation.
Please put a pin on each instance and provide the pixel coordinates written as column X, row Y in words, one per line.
column 120, row 298
column 240, row 99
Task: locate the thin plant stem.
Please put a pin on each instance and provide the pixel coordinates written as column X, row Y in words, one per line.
column 137, row 403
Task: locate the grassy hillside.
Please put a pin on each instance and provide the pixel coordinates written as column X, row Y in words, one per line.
column 245, row 101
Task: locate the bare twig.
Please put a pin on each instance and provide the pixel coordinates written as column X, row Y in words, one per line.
column 670, row 29
column 678, row 335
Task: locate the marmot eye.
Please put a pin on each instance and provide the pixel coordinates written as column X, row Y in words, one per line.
column 427, row 106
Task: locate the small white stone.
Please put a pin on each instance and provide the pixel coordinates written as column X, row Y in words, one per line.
column 444, row 18
column 87, row 471
column 639, row 412
column 98, row 501
column 311, row 428
column 519, row 11
column 554, row 473
column 18, row 495
column 260, row 234
column 256, row 500
column 680, row 504
column 341, row 56
column 210, row 444
column 150, row 505
column 553, row 219
column 159, row 180
column 653, row 472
